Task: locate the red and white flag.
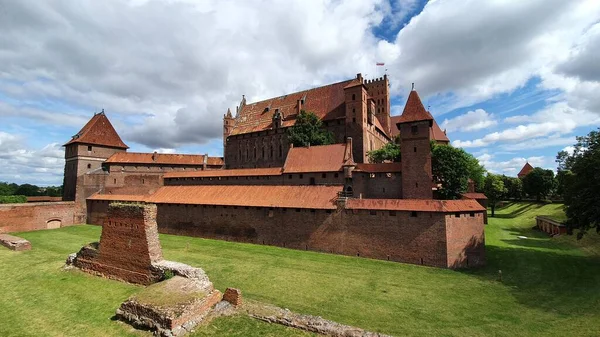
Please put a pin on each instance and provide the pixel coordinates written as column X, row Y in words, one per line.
column 380, row 64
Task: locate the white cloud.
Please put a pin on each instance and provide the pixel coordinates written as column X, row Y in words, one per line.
column 512, row 166
column 178, row 73
column 547, row 124
column 470, row 121
column 21, row 164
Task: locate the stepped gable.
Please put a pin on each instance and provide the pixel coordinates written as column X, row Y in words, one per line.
column 525, row 170
column 326, row 102
column 98, row 131
column 414, row 111
column 321, row 158
column 163, row 158
column 299, row 196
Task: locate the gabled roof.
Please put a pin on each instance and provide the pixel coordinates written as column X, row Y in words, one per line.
column 326, row 102
column 525, row 170
column 473, row 195
column 163, row 159
column 435, row 131
column 98, row 131
column 315, row 197
column 420, row 205
column 414, row 111
column 245, row 172
column 322, row 158
column 119, row 197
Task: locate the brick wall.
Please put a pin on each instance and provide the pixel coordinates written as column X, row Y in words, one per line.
column 418, row 238
column 36, row 216
column 416, row 160
column 377, row 185
column 465, row 239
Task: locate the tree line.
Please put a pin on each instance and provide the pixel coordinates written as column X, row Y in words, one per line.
column 29, row 190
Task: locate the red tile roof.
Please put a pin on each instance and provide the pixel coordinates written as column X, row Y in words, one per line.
column 379, row 167
column 251, row 172
column 118, row 197
column 414, row 110
column 447, row 206
column 98, row 131
column 326, row 102
column 316, row 197
column 435, row 131
column 322, row 158
column 525, row 170
column 474, row 195
column 163, row 159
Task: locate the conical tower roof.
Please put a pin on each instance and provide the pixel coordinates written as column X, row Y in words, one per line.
column 98, row 131
column 414, row 111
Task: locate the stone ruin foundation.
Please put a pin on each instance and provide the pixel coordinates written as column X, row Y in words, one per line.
column 14, row 242
column 178, row 296
column 129, row 250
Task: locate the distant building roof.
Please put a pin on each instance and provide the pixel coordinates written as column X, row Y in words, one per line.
column 98, row 131
column 414, row 110
column 527, row 168
column 379, row 167
column 163, row 159
column 473, row 195
column 315, row 197
column 424, row 205
column 43, row 199
column 322, row 158
column 326, row 102
column 248, row 172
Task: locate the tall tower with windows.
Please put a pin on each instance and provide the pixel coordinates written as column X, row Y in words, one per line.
column 86, row 151
column 415, row 125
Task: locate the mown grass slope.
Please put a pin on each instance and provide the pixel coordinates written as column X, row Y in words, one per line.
column 549, row 286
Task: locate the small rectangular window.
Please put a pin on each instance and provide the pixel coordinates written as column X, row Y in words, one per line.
column 457, row 215
column 413, row 214
column 290, row 176
column 414, row 129
column 335, row 175
column 392, row 213
column 89, row 148
column 324, row 175
column 472, row 214
column 301, row 176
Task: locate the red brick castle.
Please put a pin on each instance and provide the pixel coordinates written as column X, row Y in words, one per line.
column 326, row 198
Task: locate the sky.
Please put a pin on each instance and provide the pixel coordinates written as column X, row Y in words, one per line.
column 510, row 81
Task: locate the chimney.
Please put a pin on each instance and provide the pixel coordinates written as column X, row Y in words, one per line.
column 205, row 161
column 154, row 155
column 359, row 77
column 299, row 106
column 291, row 145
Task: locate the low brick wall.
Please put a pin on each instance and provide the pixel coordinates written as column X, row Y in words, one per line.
column 550, row 226
column 36, row 216
column 446, row 240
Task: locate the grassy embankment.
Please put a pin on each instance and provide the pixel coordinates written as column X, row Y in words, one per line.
column 550, row 286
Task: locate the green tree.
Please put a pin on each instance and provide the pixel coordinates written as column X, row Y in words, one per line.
column 581, row 187
column 539, row 183
column 28, row 190
column 494, row 190
column 513, row 188
column 7, row 189
column 563, row 180
column 476, row 171
column 450, row 167
column 389, row 152
column 308, row 130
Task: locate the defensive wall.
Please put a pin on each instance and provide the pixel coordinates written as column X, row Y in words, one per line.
column 440, row 238
column 36, row 216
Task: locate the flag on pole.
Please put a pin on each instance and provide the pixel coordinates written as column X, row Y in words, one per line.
column 380, row 64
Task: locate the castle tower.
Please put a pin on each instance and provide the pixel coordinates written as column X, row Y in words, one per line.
column 356, row 100
column 415, row 131
column 227, row 127
column 379, row 90
column 86, row 151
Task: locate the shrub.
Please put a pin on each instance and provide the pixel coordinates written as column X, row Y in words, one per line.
column 168, row 274
column 12, row 199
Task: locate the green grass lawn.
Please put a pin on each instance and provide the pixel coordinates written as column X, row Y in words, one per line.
column 550, row 286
